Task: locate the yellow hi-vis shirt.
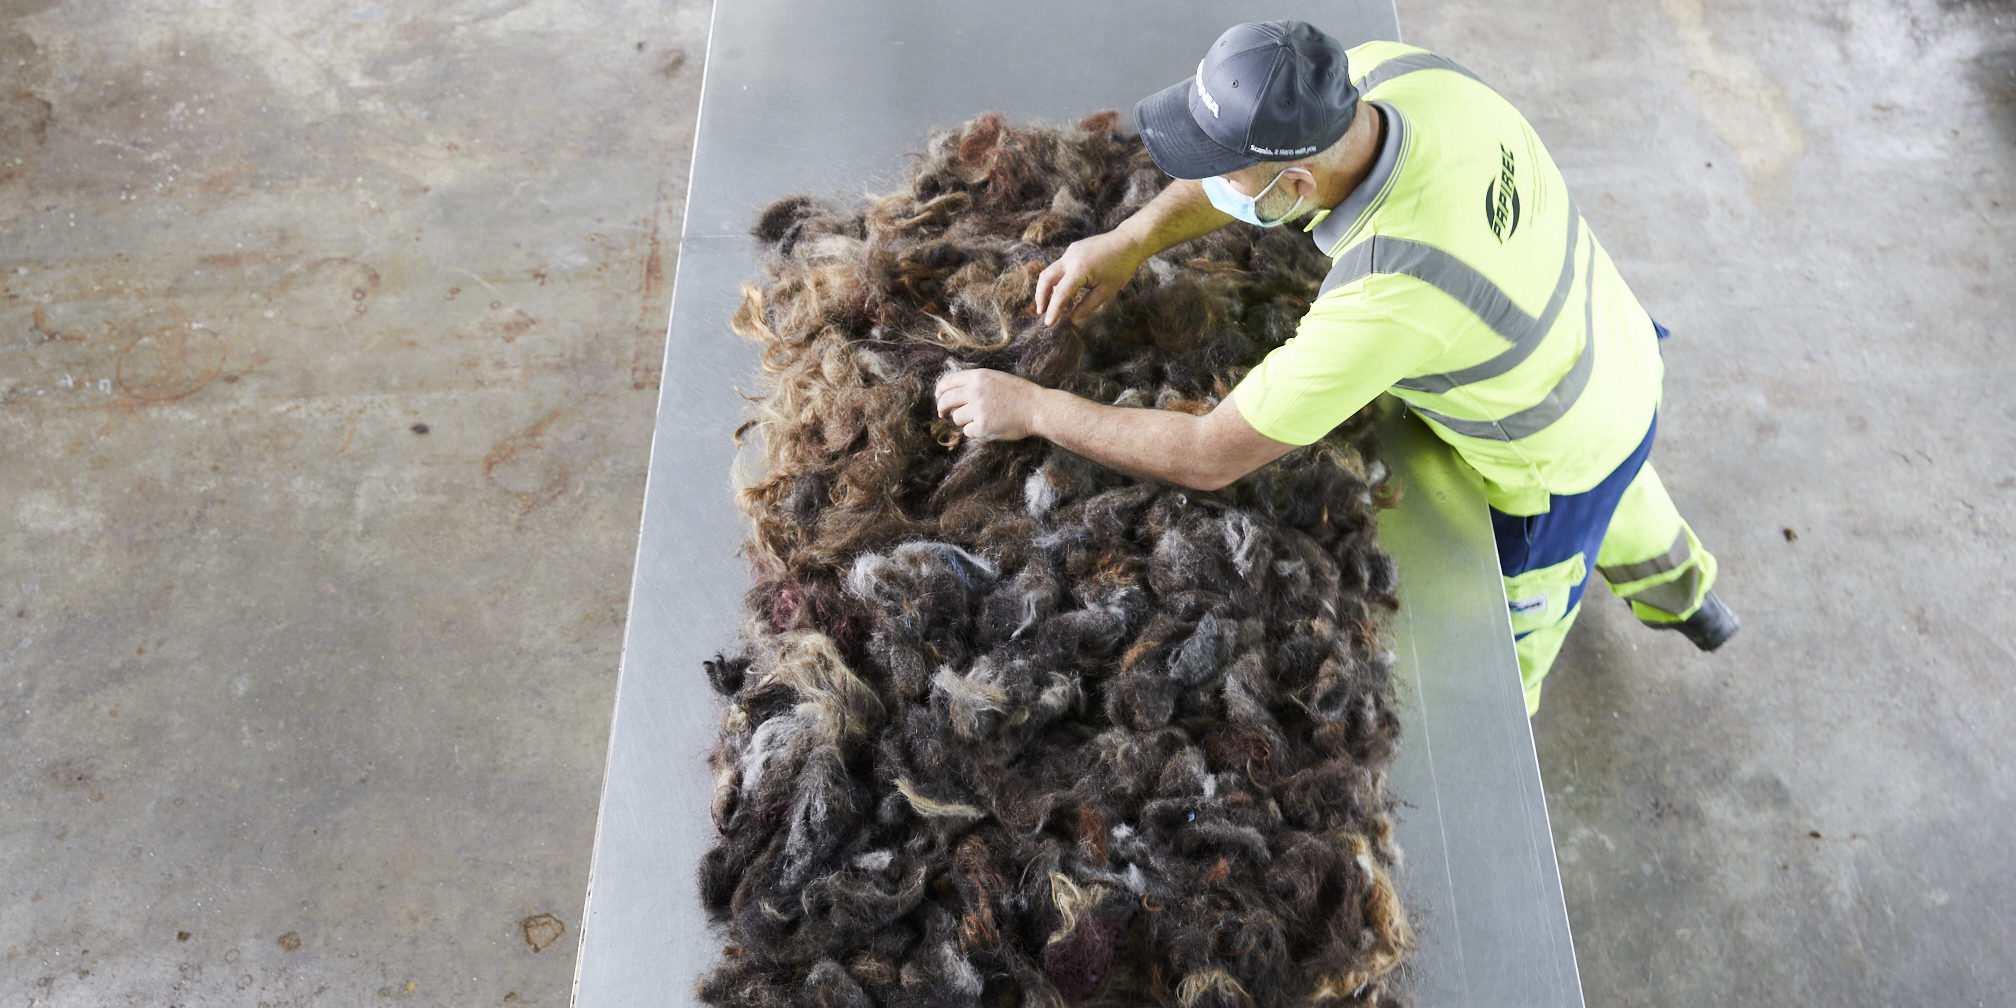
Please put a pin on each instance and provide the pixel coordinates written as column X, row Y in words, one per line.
column 1466, row 283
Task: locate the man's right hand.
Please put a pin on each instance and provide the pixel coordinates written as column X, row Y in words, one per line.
column 1086, row 276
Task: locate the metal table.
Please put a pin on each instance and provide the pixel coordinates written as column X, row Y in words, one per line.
column 825, row 98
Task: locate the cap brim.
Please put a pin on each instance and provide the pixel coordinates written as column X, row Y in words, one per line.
column 1178, row 145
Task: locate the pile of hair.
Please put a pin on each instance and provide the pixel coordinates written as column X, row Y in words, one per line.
column 1005, row 727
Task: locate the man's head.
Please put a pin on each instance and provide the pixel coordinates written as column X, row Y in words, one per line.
column 1272, row 91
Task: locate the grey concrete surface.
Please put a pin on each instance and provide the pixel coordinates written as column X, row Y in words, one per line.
column 305, row 707
column 1819, row 200
column 329, row 341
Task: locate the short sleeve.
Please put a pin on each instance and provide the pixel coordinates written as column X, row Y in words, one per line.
column 1346, row 350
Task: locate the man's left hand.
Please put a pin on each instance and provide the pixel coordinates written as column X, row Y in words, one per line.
column 989, row 405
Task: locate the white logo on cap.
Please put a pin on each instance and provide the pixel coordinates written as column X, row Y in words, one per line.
column 1209, row 102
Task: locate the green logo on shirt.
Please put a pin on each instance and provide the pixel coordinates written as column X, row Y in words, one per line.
column 1501, row 198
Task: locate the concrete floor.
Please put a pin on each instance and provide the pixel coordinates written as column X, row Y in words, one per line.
column 329, row 343
column 328, row 357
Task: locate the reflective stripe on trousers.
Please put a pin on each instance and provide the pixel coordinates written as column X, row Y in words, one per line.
column 1545, row 561
column 1651, row 558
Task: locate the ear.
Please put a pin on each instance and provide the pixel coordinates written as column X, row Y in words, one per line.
column 1300, row 180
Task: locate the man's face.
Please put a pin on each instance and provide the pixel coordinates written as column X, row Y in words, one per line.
column 1278, row 197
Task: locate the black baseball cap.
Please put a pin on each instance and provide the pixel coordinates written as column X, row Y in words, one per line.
column 1266, row 91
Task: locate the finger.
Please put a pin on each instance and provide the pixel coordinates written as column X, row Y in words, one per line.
column 954, row 380
column 1045, row 283
column 1060, row 296
column 976, row 428
column 948, row 401
column 1094, row 296
column 950, row 395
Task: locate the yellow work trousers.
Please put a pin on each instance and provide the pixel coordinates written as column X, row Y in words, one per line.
column 1648, row 556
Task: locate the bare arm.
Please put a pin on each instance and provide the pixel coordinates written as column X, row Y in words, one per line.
column 1177, row 214
column 1102, row 264
column 1203, row 453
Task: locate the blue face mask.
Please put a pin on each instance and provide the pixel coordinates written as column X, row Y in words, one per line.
column 1229, row 200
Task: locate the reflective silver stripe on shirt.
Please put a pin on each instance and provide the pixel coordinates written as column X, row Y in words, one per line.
column 1407, row 64
column 1462, row 282
column 1525, row 332
column 1560, row 398
column 1471, row 289
column 1618, row 574
column 1436, row 268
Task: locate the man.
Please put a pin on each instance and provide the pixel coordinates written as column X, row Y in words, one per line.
column 1465, row 282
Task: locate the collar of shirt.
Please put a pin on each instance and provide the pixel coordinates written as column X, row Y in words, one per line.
column 1334, row 226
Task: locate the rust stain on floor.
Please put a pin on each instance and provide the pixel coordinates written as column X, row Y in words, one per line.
column 327, row 292
column 171, row 363
column 528, row 466
column 647, row 364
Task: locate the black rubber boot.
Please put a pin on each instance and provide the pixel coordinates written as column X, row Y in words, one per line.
column 1710, row 625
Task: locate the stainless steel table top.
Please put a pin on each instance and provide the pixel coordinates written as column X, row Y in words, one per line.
column 825, row 98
